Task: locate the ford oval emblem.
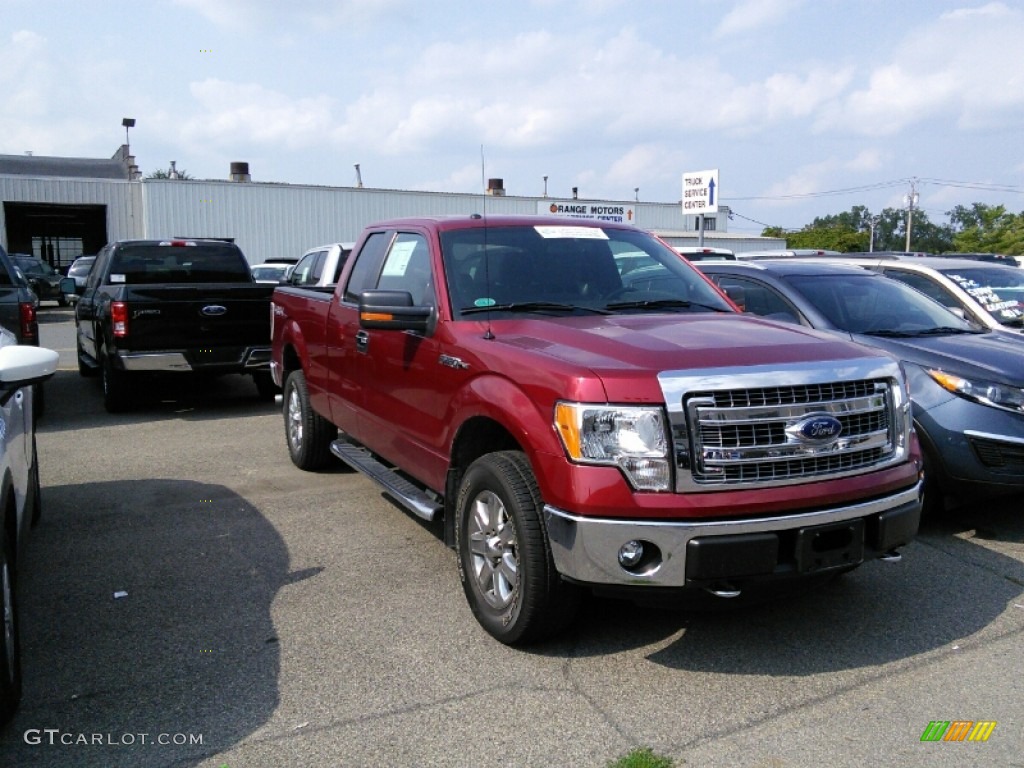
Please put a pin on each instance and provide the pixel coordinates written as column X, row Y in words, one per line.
column 820, row 428
column 213, row 310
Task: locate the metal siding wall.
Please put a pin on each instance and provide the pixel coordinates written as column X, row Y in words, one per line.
column 268, row 220
column 123, row 199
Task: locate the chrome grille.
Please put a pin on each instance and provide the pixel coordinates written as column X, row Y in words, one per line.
column 730, row 435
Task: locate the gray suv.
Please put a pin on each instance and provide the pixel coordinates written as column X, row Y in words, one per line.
column 966, row 382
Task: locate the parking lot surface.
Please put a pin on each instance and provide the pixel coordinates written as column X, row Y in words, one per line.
column 192, row 599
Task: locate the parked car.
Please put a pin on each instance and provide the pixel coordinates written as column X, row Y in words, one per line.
column 320, row 266
column 698, row 253
column 991, row 295
column 18, row 302
column 44, row 279
column 167, row 307
column 79, row 270
column 966, row 382
column 270, row 273
column 21, row 367
column 574, row 428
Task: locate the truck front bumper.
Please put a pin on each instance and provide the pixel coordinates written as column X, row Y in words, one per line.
column 704, row 553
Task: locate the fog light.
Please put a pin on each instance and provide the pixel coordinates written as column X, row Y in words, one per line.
column 630, row 554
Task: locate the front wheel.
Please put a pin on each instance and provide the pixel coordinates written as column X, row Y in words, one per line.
column 505, row 561
column 10, row 659
column 308, row 434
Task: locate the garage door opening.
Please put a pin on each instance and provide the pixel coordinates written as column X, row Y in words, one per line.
column 57, row 234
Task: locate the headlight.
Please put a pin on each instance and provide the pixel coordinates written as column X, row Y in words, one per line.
column 985, row 392
column 632, row 438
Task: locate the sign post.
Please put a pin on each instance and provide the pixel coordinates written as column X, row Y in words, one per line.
column 700, row 196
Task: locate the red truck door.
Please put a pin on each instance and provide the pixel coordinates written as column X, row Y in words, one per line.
column 398, row 369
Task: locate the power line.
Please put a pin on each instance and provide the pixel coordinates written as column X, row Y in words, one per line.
column 976, row 185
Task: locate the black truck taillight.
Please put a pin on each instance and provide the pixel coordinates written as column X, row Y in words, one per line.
column 119, row 318
column 29, row 323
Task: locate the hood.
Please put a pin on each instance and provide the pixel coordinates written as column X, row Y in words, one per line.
column 628, row 351
column 996, row 356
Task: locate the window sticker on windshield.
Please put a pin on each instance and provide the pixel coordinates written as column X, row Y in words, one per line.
column 570, row 232
column 484, row 303
column 398, row 260
column 117, row 278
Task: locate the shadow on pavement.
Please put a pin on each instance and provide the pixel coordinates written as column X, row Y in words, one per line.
column 947, row 588
column 189, row 651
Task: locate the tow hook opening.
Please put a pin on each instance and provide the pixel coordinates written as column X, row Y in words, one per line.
column 723, row 589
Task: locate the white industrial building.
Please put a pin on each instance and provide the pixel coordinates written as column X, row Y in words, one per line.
column 59, row 208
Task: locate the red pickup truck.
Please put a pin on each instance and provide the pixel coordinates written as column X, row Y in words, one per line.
column 585, row 410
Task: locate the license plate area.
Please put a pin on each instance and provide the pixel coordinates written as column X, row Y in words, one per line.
column 822, row 547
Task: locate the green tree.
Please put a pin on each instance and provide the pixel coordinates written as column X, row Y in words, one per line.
column 987, row 229
column 160, row 173
column 851, row 231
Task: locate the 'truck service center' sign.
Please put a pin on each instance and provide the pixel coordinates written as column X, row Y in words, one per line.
column 700, row 192
column 579, row 209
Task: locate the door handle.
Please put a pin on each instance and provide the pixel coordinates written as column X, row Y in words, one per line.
column 362, row 341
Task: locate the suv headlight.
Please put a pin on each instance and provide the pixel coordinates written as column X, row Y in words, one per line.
column 985, row 392
column 632, row 438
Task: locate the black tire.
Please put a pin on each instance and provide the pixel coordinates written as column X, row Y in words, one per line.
column 308, row 434
column 62, row 301
column 265, row 386
column 117, row 397
column 505, row 562
column 10, row 646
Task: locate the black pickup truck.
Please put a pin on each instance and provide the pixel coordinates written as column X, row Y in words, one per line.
column 171, row 306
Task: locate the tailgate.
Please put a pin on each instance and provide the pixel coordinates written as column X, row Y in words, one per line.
column 197, row 316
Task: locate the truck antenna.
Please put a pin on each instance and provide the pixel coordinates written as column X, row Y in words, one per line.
column 488, row 333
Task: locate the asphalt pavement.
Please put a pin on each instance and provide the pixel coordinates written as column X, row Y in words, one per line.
column 190, row 598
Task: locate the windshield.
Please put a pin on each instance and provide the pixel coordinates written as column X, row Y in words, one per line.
column 871, row 304
column 272, row 274
column 81, row 267
column 200, row 263
column 569, row 269
column 35, row 267
column 999, row 290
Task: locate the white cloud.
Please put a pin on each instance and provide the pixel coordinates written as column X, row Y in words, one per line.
column 236, row 113
column 255, row 14
column 965, row 70
column 750, row 15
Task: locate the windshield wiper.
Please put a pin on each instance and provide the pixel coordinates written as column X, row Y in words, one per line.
column 533, row 306
column 662, row 304
column 944, row 330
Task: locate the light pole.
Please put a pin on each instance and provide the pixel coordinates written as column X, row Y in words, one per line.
column 872, row 223
column 127, row 122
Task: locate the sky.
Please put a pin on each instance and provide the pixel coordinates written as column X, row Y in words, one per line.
column 806, row 107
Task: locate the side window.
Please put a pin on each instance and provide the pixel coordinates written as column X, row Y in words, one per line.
column 758, row 298
column 925, row 286
column 367, row 267
column 407, row 268
column 98, row 268
column 303, row 272
column 318, row 266
column 342, row 258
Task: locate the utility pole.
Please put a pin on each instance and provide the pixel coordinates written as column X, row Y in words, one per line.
column 872, row 223
column 910, row 201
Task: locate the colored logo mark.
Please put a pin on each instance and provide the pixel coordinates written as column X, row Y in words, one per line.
column 958, row 730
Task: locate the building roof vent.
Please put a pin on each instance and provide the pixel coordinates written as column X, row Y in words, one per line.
column 240, row 172
column 496, row 187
